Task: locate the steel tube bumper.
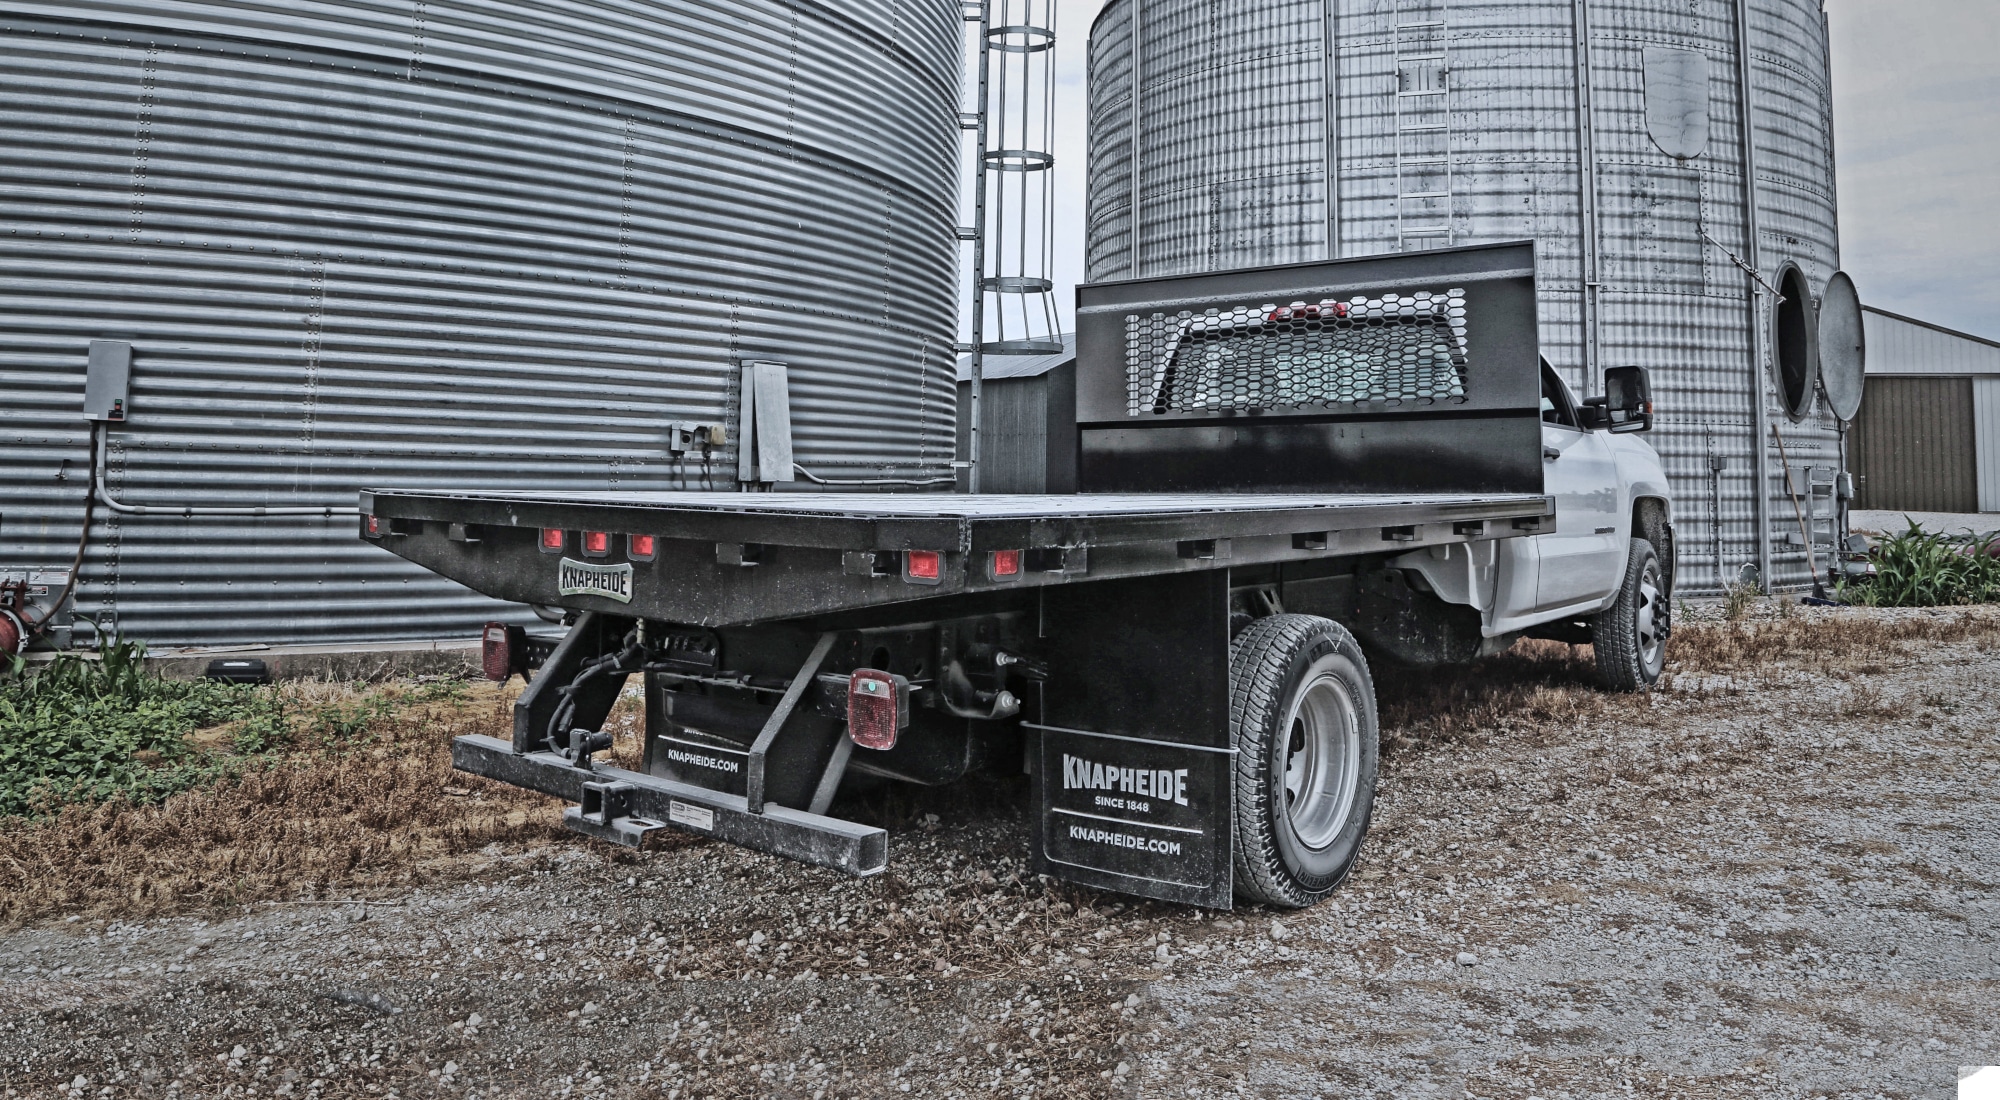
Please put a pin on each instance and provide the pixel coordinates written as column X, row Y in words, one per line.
column 809, row 838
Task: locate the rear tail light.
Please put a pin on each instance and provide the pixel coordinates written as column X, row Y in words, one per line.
column 878, row 706
column 496, row 652
column 371, row 526
column 923, row 566
column 596, row 544
column 641, row 547
column 553, row 540
column 1006, row 564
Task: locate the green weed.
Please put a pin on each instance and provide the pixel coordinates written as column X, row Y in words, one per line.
column 95, row 729
column 1926, row 569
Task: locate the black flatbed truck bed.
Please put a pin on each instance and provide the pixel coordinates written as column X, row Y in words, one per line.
column 1077, row 637
column 820, row 553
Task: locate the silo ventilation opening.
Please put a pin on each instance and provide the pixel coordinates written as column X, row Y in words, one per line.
column 1794, row 343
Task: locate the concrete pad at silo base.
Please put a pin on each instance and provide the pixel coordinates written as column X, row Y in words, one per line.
column 1885, row 522
column 358, row 661
column 364, row 661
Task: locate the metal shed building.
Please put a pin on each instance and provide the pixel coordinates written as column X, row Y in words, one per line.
column 1027, row 420
column 1928, row 436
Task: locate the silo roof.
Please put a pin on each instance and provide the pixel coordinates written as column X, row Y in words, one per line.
column 1021, row 366
column 1905, row 345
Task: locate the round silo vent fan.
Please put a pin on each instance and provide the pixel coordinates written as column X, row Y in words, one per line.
column 1795, row 342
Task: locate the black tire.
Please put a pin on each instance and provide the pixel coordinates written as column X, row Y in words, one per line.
column 1302, row 808
column 1630, row 636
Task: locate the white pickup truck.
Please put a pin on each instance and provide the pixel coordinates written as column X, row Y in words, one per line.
column 1603, row 575
column 1178, row 655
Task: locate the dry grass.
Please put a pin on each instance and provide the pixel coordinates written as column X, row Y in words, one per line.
column 383, row 808
column 1543, row 689
column 1846, row 641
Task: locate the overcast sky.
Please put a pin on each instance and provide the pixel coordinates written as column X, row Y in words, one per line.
column 1916, row 92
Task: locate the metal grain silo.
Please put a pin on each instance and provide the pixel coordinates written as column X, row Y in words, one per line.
column 450, row 243
column 1611, row 132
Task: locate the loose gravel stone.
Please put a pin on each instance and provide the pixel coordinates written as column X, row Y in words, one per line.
column 1791, row 899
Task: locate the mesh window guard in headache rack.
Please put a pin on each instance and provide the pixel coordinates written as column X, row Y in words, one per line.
column 1390, row 350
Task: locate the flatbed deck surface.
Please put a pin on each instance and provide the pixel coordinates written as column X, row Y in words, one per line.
column 941, row 521
column 983, row 506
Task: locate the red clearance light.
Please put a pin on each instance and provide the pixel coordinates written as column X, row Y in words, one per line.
column 596, row 544
column 1300, row 311
column 496, row 653
column 373, row 526
column 877, row 707
column 641, row 547
column 923, row 566
column 553, row 539
column 1006, row 563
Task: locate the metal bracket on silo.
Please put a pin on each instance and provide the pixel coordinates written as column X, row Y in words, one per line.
column 764, row 434
column 108, row 382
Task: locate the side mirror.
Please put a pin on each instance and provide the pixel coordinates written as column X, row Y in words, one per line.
column 1627, row 404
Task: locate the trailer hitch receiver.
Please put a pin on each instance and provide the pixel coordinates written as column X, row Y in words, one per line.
column 606, row 813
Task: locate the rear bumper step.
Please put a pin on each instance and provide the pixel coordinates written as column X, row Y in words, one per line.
column 642, row 802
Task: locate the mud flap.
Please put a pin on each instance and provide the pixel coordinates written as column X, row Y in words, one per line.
column 1134, row 762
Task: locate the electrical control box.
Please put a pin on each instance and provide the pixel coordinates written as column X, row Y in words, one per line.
column 107, row 387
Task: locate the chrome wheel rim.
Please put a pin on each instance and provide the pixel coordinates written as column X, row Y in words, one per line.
column 1650, row 620
column 1322, row 760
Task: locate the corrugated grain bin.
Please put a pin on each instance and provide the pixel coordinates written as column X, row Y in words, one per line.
column 450, row 244
column 1610, row 132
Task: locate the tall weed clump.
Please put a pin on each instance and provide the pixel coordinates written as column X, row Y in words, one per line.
column 1920, row 568
column 83, row 729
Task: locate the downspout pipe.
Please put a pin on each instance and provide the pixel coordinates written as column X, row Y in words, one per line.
column 1760, row 403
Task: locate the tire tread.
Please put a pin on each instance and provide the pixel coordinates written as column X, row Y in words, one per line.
column 1614, row 634
column 1259, row 663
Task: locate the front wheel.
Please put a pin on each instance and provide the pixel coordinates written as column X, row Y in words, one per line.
column 1302, row 713
column 1630, row 636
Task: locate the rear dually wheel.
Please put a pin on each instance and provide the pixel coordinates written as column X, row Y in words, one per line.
column 1302, row 712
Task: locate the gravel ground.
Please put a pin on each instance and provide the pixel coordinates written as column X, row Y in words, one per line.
column 1770, row 878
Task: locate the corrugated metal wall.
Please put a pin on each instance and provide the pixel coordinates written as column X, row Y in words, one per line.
column 450, row 243
column 1916, row 446
column 1457, row 122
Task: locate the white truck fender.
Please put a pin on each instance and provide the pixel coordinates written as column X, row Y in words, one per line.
column 1461, row 573
column 1469, row 573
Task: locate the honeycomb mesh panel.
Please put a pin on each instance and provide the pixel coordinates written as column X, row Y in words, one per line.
column 1390, row 350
